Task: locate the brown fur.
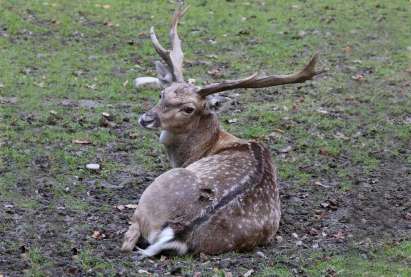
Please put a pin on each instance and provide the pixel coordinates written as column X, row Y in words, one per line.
column 211, row 165
column 222, row 193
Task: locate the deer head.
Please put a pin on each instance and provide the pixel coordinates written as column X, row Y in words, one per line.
column 183, row 106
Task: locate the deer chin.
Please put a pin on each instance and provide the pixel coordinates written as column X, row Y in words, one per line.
column 166, row 137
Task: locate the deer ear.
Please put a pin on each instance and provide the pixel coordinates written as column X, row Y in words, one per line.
column 164, row 73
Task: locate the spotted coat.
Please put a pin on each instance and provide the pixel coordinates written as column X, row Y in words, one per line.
column 226, row 201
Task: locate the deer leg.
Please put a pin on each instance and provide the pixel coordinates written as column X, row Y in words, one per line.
column 131, row 237
column 178, row 246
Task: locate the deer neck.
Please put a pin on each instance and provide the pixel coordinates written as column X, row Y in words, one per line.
column 184, row 149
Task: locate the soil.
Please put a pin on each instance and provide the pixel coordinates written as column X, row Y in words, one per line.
column 316, row 219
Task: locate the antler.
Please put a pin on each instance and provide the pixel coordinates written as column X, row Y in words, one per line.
column 274, row 80
column 174, row 57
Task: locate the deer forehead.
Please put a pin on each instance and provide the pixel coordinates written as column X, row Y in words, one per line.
column 180, row 93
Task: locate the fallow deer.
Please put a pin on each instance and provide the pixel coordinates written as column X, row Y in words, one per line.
column 221, row 194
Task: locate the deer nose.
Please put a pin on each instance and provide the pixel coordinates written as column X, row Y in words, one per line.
column 149, row 121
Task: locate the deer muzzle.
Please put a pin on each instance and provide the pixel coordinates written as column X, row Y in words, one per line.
column 149, row 120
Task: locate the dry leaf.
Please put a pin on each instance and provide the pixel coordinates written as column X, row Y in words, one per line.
column 322, row 111
column 216, row 72
column 313, row 232
column 279, row 131
column 92, row 86
column 248, row 273
column 80, row 141
column 98, row 235
column 39, row 84
column 339, row 235
column 325, row 152
column 347, row 50
column 125, row 83
column 318, row 183
column 358, row 77
column 106, row 6
column 120, row 207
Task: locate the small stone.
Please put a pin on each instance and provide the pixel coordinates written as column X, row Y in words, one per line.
column 302, row 34
column 322, row 111
column 147, row 82
column 279, row 238
column 261, row 254
column 286, row 149
column 120, row 207
column 93, row 166
column 107, row 116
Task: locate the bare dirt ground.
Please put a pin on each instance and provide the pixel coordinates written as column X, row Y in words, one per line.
column 341, row 142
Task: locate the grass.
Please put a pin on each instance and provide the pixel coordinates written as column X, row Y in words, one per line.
column 388, row 261
column 78, row 59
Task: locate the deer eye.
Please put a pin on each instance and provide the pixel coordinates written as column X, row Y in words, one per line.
column 188, row 110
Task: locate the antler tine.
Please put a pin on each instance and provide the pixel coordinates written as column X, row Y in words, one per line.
column 274, row 80
column 176, row 54
column 161, row 51
column 174, row 57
